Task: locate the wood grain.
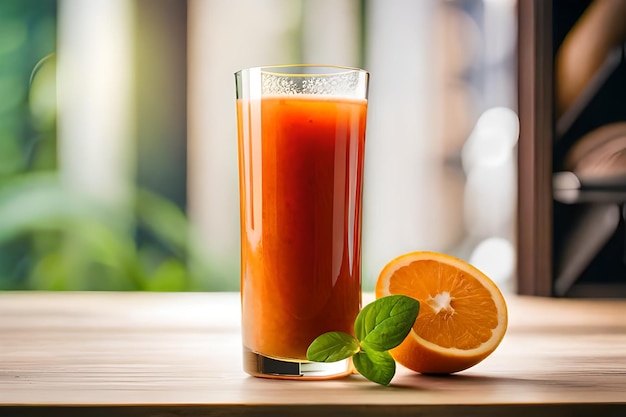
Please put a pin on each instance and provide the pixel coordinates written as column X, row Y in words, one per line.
column 151, row 354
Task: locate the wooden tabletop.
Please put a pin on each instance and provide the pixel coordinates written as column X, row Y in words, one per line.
column 155, row 354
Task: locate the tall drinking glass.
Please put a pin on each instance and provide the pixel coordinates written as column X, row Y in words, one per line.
column 301, row 136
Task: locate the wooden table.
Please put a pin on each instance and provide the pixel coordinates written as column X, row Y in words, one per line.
column 151, row 354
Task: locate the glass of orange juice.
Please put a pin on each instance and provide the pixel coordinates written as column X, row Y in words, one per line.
column 301, row 141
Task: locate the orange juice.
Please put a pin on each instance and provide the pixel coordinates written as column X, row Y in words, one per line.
column 300, row 173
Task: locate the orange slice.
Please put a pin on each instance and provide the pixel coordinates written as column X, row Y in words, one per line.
column 462, row 318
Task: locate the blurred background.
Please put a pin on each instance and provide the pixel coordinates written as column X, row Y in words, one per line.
column 118, row 150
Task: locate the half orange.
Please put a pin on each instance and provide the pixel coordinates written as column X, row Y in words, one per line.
column 462, row 318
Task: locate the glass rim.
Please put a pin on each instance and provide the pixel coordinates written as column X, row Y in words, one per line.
column 275, row 70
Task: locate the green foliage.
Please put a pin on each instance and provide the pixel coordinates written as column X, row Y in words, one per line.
column 376, row 366
column 382, row 325
column 27, row 34
column 77, row 243
column 333, row 347
column 379, row 327
column 52, row 238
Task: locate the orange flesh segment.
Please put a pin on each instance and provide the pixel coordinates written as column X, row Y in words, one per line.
column 465, row 322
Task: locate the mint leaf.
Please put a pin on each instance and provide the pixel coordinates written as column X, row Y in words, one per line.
column 380, row 326
column 332, row 347
column 384, row 323
column 376, row 366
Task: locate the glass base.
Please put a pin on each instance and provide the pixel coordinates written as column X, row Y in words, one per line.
column 263, row 366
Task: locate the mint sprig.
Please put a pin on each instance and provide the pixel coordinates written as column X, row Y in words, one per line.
column 379, row 327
